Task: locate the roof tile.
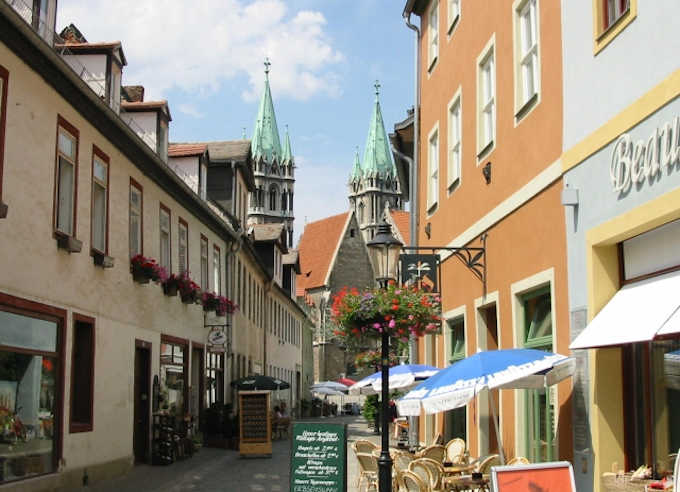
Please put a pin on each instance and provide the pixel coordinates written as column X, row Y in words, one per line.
column 186, row 150
column 317, row 245
column 401, row 220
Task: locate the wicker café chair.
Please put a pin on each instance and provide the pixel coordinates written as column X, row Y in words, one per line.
column 368, row 472
column 436, row 472
column 455, row 449
column 364, row 446
column 436, row 452
column 413, row 483
column 485, row 464
column 422, row 471
column 518, row 460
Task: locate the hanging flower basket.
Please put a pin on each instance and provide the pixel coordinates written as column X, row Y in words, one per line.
column 170, row 285
column 402, row 312
column 372, row 359
column 145, row 269
column 220, row 304
column 189, row 290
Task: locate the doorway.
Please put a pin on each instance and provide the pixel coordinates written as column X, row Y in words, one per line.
column 197, row 386
column 142, row 410
column 488, row 340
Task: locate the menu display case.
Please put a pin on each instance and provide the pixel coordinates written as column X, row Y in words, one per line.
column 255, row 423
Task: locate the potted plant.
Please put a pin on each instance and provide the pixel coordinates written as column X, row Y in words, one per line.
column 170, row 285
column 188, row 289
column 220, row 304
column 144, row 269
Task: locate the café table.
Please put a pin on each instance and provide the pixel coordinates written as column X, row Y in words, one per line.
column 458, row 468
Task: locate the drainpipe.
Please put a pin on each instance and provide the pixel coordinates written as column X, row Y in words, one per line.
column 413, row 188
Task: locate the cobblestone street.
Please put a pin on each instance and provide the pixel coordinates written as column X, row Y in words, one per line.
column 222, row 470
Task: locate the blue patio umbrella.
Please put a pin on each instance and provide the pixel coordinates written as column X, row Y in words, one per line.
column 400, row 376
column 456, row 385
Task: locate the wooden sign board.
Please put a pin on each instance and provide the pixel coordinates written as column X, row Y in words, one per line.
column 318, row 458
column 557, row 476
column 255, row 423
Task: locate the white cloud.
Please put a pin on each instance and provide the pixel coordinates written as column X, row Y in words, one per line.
column 195, row 46
column 190, row 109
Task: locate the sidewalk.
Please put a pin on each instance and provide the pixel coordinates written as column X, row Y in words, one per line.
column 223, row 470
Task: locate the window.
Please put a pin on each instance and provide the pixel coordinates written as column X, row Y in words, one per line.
column 215, row 378
column 165, row 237
column 238, row 283
column 100, row 201
column 82, row 374
column 284, row 200
column 204, row 262
column 272, row 198
column 613, row 10
column 456, row 420
column 433, row 30
column 539, row 422
column 4, row 77
column 183, row 246
column 30, row 371
column 454, row 13
column 433, row 168
column 136, row 221
column 486, row 98
column 217, row 262
column 173, row 380
column 66, row 178
column 527, row 70
column 454, row 140
column 611, row 17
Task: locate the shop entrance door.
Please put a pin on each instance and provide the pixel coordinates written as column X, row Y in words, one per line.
column 140, row 436
column 198, row 389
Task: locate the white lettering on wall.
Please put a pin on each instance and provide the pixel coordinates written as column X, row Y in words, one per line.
column 633, row 162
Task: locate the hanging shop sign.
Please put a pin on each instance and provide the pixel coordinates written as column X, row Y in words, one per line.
column 420, row 270
column 635, row 161
column 217, row 339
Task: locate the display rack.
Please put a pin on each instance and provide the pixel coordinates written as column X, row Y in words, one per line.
column 162, row 446
column 255, row 423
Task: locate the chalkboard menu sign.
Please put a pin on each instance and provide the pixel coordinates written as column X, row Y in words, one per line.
column 318, row 459
column 255, row 426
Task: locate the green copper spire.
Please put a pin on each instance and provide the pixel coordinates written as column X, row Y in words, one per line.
column 377, row 156
column 356, row 169
column 265, row 142
column 287, row 152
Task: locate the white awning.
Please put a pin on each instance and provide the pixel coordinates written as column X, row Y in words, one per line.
column 639, row 312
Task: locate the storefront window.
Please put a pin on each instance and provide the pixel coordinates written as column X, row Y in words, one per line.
column 215, row 378
column 173, row 380
column 28, row 395
column 539, row 436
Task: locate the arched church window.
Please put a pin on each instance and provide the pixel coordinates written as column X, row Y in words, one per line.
column 284, row 200
column 290, row 201
column 272, row 197
column 361, row 213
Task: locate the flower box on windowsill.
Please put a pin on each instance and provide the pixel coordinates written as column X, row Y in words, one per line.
column 189, row 298
column 3, row 210
column 102, row 260
column 69, row 243
column 140, row 278
column 170, row 290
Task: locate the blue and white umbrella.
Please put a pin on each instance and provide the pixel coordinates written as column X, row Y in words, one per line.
column 401, row 376
column 456, row 385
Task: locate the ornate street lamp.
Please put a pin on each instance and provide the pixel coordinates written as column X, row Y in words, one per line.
column 384, row 250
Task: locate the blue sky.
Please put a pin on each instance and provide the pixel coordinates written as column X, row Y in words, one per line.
column 206, row 58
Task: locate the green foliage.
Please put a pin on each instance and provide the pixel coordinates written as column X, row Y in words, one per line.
column 370, row 408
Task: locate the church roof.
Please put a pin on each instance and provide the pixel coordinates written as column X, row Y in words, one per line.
column 377, row 155
column 318, row 244
column 266, row 143
column 287, row 155
column 400, row 219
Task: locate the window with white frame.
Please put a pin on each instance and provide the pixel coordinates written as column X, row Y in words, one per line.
column 454, row 13
column 433, row 168
column 165, row 237
column 433, row 29
column 613, row 11
column 204, row 263
column 486, row 90
column 135, row 219
column 454, row 140
column 217, row 262
column 100, row 190
column 526, row 52
column 183, row 245
column 67, row 155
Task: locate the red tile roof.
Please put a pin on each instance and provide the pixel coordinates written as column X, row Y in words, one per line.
column 317, row 246
column 186, row 150
column 401, row 220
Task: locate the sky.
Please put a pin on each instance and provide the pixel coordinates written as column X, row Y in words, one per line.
column 206, row 58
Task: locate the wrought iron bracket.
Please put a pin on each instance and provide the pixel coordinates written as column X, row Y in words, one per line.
column 473, row 258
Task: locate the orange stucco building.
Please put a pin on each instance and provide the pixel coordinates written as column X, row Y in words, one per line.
column 489, row 146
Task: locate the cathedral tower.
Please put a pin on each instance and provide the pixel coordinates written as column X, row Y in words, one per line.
column 274, row 169
column 373, row 182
